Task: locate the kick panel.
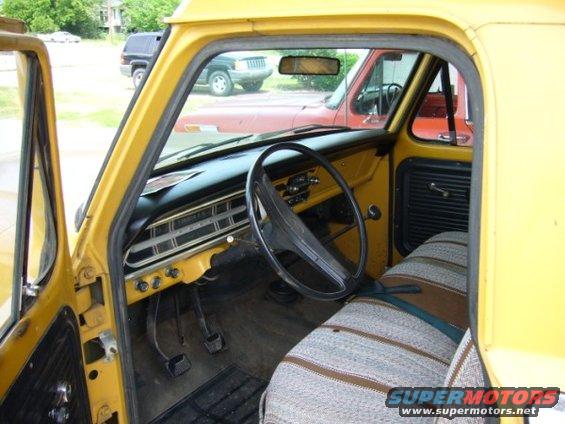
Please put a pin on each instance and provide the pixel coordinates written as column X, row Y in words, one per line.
column 431, row 196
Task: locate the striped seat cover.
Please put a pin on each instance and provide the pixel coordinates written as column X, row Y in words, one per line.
column 341, row 372
column 439, row 268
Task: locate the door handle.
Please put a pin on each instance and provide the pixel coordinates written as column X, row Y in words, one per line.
column 372, row 119
column 433, row 187
column 460, row 138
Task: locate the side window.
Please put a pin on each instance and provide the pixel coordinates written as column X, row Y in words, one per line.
column 155, row 43
column 27, row 232
column 384, row 83
column 434, row 121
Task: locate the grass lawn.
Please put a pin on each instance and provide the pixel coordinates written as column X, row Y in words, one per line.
column 105, row 108
column 104, row 117
column 277, row 82
column 77, row 107
column 89, row 107
column 10, row 106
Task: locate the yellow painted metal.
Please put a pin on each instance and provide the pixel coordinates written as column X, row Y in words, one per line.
column 12, row 25
column 518, row 52
column 473, row 13
column 522, row 271
column 17, row 346
column 373, row 191
column 484, row 30
column 189, row 271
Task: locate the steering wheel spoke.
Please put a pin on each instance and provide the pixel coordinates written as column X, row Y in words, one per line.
column 285, row 230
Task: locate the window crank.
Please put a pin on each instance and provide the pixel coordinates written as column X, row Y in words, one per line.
column 443, row 192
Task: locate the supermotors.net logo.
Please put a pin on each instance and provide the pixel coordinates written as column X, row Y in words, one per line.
column 451, row 402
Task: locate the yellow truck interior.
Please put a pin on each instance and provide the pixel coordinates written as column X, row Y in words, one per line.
column 210, row 320
column 222, row 314
column 139, row 322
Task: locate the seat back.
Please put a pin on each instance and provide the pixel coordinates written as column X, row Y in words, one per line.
column 465, row 371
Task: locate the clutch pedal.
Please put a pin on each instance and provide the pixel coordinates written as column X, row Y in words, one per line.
column 176, row 365
column 213, row 341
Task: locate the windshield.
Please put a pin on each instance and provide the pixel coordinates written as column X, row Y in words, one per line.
column 240, row 98
column 338, row 95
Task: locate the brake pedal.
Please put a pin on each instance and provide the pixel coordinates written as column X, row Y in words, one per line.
column 176, row 365
column 213, row 341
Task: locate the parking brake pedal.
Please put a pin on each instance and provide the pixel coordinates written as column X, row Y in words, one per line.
column 213, row 341
column 176, row 365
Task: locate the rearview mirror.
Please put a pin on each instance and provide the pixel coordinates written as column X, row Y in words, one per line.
column 308, row 65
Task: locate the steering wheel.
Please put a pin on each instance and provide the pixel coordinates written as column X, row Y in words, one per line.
column 391, row 92
column 285, row 231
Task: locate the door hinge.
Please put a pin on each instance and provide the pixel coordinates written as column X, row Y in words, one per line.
column 86, row 271
column 109, row 344
column 86, row 275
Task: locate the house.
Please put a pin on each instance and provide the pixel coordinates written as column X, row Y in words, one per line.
column 111, row 15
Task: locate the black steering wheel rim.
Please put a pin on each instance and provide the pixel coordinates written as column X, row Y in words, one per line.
column 289, row 233
column 391, row 92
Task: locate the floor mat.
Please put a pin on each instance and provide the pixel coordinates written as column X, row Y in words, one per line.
column 230, row 397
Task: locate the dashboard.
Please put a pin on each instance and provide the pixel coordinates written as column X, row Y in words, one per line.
column 174, row 233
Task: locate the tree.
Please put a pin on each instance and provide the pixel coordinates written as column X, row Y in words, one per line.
column 36, row 14
column 147, row 15
column 76, row 16
column 79, row 16
column 42, row 24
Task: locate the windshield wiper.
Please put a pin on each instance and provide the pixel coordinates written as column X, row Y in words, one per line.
column 192, row 151
column 182, row 151
column 199, row 148
column 302, row 129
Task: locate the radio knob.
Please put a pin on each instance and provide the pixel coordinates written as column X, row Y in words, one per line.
column 141, row 285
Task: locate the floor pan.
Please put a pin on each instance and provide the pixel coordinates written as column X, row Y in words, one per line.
column 231, row 397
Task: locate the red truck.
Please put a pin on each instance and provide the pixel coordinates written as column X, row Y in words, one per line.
column 357, row 104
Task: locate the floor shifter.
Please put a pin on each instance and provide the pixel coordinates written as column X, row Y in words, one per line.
column 213, row 341
column 176, row 365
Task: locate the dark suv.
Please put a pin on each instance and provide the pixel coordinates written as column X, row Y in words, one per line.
column 220, row 75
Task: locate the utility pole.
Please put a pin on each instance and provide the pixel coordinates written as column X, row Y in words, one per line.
column 110, row 21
